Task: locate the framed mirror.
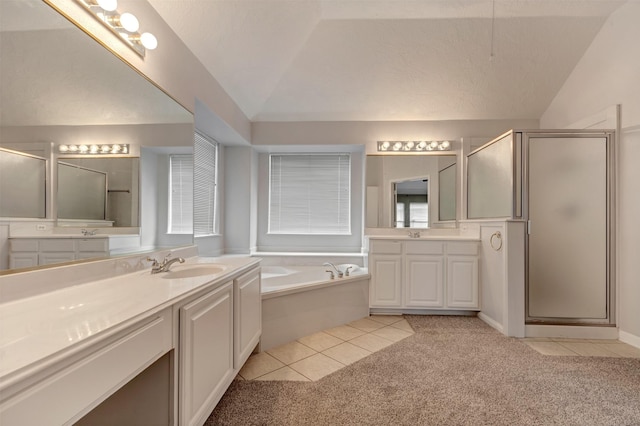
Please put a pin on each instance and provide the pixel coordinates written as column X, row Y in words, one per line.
column 396, row 184
column 61, row 87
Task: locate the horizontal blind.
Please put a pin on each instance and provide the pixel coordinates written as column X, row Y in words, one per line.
column 310, row 194
column 205, row 182
column 181, row 194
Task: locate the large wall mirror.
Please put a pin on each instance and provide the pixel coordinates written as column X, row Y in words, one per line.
column 59, row 86
column 410, row 191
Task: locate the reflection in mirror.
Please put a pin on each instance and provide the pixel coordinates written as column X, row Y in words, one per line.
column 61, row 87
column 412, row 203
column 447, row 193
column 24, row 197
column 384, row 171
column 98, row 189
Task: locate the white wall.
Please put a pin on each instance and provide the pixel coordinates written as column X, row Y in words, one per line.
column 609, row 74
column 237, row 206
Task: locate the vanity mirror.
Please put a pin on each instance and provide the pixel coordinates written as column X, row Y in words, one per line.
column 415, row 191
column 60, row 87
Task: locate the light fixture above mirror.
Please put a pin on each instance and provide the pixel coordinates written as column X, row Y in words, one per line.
column 95, row 149
column 125, row 24
column 413, row 146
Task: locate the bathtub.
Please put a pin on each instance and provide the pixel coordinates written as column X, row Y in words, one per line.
column 302, row 300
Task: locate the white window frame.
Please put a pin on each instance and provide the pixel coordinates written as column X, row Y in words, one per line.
column 288, row 225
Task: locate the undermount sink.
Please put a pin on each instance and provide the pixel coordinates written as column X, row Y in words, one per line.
column 189, row 271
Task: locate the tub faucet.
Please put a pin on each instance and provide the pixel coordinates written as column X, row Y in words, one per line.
column 338, row 271
column 157, row 267
column 330, row 272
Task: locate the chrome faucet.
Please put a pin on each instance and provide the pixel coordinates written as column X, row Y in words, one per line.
column 157, row 267
column 338, row 271
column 88, row 233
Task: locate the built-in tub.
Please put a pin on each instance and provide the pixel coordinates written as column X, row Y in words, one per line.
column 301, row 300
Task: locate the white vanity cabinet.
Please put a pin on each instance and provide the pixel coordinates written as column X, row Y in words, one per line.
column 206, row 353
column 385, row 267
column 27, row 252
column 247, row 316
column 423, row 274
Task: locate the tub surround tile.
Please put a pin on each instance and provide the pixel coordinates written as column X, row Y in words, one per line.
column 387, row 319
column 284, row 374
column 366, row 325
column 258, row 365
column 371, row 342
column 391, row 333
column 347, row 353
column 291, row 352
column 345, row 332
column 403, row 325
column 317, row 366
column 320, row 341
column 551, row 348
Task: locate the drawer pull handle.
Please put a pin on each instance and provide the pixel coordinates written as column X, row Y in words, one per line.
column 498, row 236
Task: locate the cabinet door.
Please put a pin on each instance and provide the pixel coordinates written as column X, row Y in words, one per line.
column 424, row 281
column 47, row 258
column 206, row 353
column 23, row 260
column 462, row 282
column 248, row 315
column 386, row 280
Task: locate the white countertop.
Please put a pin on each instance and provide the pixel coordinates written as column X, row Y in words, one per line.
column 39, row 327
column 425, row 237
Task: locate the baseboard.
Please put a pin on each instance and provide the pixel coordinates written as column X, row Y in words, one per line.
column 628, row 338
column 493, row 323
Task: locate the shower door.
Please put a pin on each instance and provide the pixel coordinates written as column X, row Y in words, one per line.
column 568, row 208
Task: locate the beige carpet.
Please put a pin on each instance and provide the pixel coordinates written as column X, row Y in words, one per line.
column 453, row 371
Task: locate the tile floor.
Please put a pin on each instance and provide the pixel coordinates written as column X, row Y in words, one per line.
column 312, row 357
column 582, row 347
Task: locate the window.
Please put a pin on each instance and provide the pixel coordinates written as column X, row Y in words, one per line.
column 192, row 189
column 205, row 184
column 310, row 194
column 180, row 194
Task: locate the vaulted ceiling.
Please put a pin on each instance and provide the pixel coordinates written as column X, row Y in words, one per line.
column 329, row 60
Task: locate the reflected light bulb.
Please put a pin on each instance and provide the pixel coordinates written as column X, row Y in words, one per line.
column 129, row 22
column 149, row 41
column 108, row 5
column 409, row 145
column 397, row 146
column 63, row 148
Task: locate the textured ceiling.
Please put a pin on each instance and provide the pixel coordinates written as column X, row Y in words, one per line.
column 388, row 60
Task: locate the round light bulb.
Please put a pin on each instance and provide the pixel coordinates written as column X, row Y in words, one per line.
column 93, row 149
column 129, row 22
column 409, row 145
column 445, row 145
column 115, row 149
column 397, row 146
column 84, row 148
column 433, row 144
column 108, row 5
column 422, row 145
column 105, row 148
column 73, row 148
column 385, row 145
column 149, row 41
column 63, row 148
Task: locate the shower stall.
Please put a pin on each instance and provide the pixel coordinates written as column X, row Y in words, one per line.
column 562, row 184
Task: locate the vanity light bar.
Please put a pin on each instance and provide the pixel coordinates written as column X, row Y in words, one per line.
column 125, row 24
column 94, row 149
column 413, row 146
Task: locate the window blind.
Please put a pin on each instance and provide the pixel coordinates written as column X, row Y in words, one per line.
column 310, row 194
column 180, row 194
column 205, row 183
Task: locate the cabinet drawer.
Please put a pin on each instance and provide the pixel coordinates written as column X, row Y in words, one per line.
column 465, row 248
column 23, row 245
column 55, row 244
column 424, row 247
column 386, row 247
column 98, row 244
